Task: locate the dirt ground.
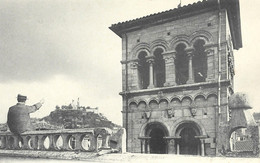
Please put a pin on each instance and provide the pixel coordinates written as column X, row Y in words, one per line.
column 53, row 157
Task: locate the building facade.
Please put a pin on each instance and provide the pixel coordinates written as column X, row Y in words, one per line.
column 177, row 76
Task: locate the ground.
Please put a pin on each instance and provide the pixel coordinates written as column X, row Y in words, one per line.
column 127, row 157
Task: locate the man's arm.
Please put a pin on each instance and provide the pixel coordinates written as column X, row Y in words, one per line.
column 35, row 107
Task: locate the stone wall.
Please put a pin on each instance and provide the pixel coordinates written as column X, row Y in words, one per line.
column 167, row 36
column 167, row 105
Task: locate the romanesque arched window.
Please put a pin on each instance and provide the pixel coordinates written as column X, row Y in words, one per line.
column 143, row 70
column 182, row 65
column 159, row 68
column 199, row 62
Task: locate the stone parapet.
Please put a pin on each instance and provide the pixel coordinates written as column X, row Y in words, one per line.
column 87, row 139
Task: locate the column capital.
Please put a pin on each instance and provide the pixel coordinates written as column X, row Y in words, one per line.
column 134, row 64
column 169, row 59
column 173, row 52
column 144, row 137
column 150, row 60
column 124, row 62
column 201, row 136
column 190, row 52
column 210, row 45
column 209, row 51
column 169, row 137
column 169, row 54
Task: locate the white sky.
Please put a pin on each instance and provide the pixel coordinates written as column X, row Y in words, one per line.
column 61, row 50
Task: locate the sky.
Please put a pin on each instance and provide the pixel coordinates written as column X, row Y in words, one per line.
column 63, row 50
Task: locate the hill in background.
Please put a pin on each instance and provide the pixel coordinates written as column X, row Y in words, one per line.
column 70, row 117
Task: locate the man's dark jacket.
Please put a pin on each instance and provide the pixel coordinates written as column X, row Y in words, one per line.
column 18, row 118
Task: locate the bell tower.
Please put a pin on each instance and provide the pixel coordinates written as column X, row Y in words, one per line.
column 177, row 75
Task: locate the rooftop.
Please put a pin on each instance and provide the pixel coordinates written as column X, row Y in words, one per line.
column 232, row 7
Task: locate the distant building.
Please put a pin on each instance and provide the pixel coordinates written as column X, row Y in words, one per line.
column 257, row 118
column 72, row 106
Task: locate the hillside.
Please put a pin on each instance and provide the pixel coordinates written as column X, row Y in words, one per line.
column 69, row 118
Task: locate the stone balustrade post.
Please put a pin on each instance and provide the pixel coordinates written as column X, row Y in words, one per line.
column 55, row 141
column 25, row 142
column 12, row 142
column 51, row 141
column 93, row 142
column 16, row 142
column 34, row 140
column 41, row 142
column 105, row 138
column 8, row 143
column 78, row 141
column 65, row 142
column 3, row 142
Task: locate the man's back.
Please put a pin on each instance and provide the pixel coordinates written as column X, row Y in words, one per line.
column 18, row 118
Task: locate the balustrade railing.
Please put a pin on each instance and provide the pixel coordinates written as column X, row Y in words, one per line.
column 88, row 139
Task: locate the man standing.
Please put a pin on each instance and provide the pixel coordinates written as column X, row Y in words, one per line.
column 18, row 118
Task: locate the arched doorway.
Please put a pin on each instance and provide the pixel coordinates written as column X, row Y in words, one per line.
column 188, row 143
column 156, row 144
column 240, row 139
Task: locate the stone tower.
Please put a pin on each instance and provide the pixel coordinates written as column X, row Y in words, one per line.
column 177, row 75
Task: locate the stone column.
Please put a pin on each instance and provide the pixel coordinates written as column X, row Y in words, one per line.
column 170, row 145
column 177, row 142
column 151, row 62
column 135, row 80
column 145, row 147
column 142, row 146
column 202, row 143
column 148, row 145
column 170, row 75
column 191, row 79
column 178, row 148
column 202, row 147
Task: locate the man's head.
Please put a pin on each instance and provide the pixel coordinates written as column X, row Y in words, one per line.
column 21, row 98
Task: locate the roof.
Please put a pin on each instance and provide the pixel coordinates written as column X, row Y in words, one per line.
column 232, row 7
column 239, row 101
